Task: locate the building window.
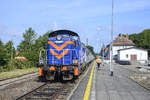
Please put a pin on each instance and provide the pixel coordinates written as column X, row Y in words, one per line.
column 126, row 55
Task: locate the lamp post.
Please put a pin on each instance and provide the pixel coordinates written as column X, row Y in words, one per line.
column 111, row 44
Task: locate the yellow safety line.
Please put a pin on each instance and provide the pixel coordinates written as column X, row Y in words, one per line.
column 88, row 87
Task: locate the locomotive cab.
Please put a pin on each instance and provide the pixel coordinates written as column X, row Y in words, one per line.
column 62, row 56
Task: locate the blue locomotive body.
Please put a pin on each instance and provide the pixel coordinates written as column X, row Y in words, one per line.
column 66, row 56
column 62, row 51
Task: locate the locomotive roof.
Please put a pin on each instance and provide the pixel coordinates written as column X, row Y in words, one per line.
column 54, row 33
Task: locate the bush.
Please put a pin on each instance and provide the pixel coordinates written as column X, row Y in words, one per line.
column 15, row 64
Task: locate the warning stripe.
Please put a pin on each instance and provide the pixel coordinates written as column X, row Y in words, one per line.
column 61, row 47
column 59, row 56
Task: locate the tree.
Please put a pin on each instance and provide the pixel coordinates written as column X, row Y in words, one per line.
column 29, row 39
column 3, row 54
column 91, row 50
column 30, row 47
column 26, row 47
column 10, row 49
column 40, row 44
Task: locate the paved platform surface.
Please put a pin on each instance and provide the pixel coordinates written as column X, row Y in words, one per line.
column 106, row 87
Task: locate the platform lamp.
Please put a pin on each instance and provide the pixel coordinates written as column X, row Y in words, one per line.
column 111, row 44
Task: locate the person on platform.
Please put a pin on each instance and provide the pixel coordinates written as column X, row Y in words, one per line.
column 98, row 61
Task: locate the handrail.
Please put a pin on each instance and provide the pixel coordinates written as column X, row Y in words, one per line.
column 42, row 57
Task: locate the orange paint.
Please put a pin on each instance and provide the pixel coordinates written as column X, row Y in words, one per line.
column 51, row 68
column 57, row 55
column 62, row 46
column 76, row 71
column 40, row 71
column 64, row 68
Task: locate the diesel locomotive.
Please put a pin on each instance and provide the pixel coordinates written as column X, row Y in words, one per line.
column 65, row 56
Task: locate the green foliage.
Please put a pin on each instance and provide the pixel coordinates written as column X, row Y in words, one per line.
column 15, row 64
column 29, row 39
column 142, row 39
column 91, row 49
column 10, row 50
column 3, row 54
column 26, row 47
column 29, row 36
column 40, row 44
column 22, row 64
column 30, row 47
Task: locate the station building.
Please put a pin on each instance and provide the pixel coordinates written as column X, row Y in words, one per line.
column 124, row 50
column 133, row 54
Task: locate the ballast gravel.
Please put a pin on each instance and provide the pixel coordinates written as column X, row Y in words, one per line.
column 13, row 90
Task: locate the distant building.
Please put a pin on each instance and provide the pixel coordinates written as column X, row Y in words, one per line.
column 125, row 50
column 133, row 54
column 120, row 42
column 20, row 58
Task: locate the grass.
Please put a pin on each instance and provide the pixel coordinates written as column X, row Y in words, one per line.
column 17, row 72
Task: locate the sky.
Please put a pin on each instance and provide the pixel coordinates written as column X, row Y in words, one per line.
column 89, row 18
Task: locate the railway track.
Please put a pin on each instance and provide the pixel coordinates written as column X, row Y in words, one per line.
column 17, row 76
column 48, row 91
column 51, row 90
column 8, row 81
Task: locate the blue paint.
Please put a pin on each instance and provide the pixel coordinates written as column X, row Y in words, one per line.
column 67, row 59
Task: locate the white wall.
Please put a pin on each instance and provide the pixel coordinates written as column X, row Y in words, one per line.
column 116, row 48
column 142, row 55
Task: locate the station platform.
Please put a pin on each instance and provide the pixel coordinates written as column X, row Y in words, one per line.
column 99, row 85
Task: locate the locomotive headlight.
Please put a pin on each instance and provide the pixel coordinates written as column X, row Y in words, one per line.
column 75, row 61
column 58, row 37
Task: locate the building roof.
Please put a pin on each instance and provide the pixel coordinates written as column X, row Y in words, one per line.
column 122, row 40
column 132, row 48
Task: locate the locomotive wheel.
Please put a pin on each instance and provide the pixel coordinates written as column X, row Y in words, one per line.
column 58, row 77
column 75, row 77
column 61, row 78
column 50, row 76
column 42, row 78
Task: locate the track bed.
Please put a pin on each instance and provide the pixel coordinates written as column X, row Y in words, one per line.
column 48, row 91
